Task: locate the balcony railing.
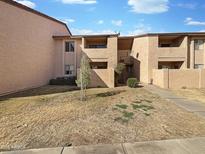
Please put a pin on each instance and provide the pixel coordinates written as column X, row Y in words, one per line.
column 172, row 52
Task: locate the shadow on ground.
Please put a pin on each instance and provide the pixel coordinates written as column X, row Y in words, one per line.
column 45, row 90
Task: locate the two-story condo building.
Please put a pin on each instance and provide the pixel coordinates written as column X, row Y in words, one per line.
column 36, row 48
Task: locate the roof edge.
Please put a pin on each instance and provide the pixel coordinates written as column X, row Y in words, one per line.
column 81, row 36
column 174, row 33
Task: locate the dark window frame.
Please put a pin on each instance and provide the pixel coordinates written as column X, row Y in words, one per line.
column 69, row 71
column 70, row 46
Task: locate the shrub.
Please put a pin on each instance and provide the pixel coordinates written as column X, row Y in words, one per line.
column 132, row 82
column 119, row 68
column 63, row 81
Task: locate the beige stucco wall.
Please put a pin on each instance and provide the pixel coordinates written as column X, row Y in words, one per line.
column 101, row 77
column 183, row 78
column 58, row 67
column 153, row 55
column 63, row 58
column 150, row 54
column 198, row 56
column 140, row 47
column 27, row 57
column 159, row 78
column 202, row 78
column 109, row 55
column 189, row 78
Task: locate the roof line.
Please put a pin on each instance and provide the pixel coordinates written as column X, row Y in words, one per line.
column 35, row 12
column 174, row 33
column 81, row 36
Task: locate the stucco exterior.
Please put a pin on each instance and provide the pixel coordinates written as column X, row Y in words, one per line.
column 181, row 54
column 27, row 49
column 33, row 50
column 184, row 78
column 99, row 77
column 140, row 52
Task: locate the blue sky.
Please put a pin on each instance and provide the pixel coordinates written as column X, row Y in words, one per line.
column 129, row 17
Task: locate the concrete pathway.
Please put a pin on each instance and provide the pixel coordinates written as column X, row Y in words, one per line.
column 178, row 146
column 189, row 105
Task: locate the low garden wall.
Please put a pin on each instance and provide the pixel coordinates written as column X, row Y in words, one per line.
column 179, row 78
column 101, row 78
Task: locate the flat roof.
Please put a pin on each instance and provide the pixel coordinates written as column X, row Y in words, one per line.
column 81, row 36
column 96, row 35
column 129, row 37
column 35, row 12
column 170, row 34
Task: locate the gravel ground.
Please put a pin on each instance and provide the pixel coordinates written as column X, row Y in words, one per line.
column 53, row 116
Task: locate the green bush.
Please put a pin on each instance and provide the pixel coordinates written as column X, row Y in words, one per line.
column 132, row 82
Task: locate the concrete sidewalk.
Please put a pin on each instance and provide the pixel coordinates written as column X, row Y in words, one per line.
column 191, row 106
column 178, row 146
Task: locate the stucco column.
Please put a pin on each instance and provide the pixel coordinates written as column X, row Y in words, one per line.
column 204, row 55
column 83, row 43
column 192, row 56
column 185, row 45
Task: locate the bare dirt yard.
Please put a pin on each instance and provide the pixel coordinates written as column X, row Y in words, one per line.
column 192, row 94
column 53, row 116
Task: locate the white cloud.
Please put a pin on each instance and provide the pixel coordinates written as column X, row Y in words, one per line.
column 149, row 6
column 117, row 22
column 100, row 22
column 203, row 30
column 140, row 29
column 26, row 3
column 190, row 21
column 76, row 31
column 78, row 1
column 187, row 5
column 68, row 20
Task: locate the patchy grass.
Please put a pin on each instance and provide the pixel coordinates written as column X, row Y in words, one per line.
column 128, row 115
column 128, row 111
column 142, row 106
column 121, row 106
column 110, row 93
column 53, row 116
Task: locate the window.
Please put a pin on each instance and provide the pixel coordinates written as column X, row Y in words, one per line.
column 199, row 66
column 198, row 44
column 69, row 69
column 98, row 65
column 69, row 46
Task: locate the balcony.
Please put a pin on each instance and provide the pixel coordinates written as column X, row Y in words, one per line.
column 96, row 47
column 172, row 52
column 172, row 48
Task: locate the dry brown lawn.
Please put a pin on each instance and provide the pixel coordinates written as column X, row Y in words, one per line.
column 192, row 94
column 53, row 116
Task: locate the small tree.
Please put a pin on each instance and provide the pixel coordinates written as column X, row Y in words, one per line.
column 84, row 79
column 119, row 69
